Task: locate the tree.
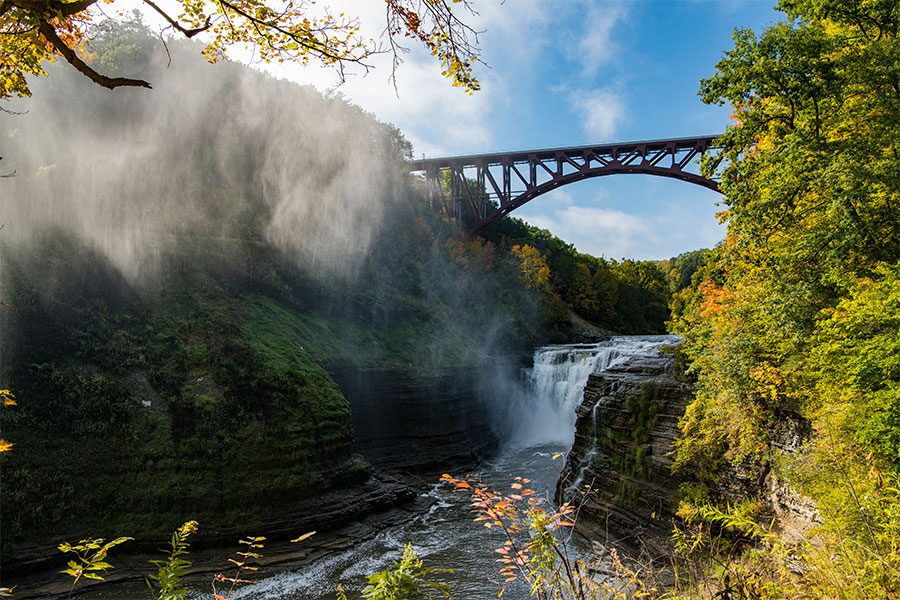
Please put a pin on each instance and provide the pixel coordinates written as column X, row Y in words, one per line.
column 793, row 319
column 584, row 294
column 32, row 31
column 533, row 267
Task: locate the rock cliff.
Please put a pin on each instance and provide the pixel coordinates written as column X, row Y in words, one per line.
column 417, row 422
column 618, row 471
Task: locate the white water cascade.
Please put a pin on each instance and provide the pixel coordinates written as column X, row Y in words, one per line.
column 557, row 379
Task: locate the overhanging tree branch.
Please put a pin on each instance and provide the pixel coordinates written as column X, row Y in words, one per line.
column 274, row 30
column 313, row 45
column 49, row 33
column 72, row 8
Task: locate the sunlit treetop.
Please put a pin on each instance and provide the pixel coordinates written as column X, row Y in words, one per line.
column 32, row 31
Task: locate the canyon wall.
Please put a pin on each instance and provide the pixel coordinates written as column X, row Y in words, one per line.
column 619, row 469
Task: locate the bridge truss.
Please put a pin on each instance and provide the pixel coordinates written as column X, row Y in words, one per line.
column 490, row 186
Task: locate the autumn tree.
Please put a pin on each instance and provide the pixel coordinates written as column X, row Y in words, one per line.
column 34, row 31
column 794, row 318
column 533, row 267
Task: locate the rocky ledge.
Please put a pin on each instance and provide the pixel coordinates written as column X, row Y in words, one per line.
column 618, row 472
column 343, row 517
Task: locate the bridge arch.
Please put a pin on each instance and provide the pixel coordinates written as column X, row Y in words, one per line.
column 505, row 181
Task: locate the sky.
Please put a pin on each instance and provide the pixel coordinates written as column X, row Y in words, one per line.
column 563, row 73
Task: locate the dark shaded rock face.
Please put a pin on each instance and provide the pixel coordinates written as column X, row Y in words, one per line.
column 618, row 471
column 417, row 422
column 794, row 513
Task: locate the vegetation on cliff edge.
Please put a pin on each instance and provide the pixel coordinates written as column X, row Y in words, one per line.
column 796, row 316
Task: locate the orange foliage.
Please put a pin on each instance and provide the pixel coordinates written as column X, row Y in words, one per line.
column 714, row 298
column 520, row 516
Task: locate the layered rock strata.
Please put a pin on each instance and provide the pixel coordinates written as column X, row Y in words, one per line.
column 415, row 423
column 618, row 472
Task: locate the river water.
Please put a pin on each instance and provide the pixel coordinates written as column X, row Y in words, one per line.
column 445, row 536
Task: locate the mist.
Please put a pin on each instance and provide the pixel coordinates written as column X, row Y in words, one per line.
column 226, row 158
column 128, row 170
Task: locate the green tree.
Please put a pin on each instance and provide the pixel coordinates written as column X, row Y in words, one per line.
column 585, row 299
column 795, row 315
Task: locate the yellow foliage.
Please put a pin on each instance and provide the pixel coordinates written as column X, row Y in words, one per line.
column 770, row 381
column 533, row 267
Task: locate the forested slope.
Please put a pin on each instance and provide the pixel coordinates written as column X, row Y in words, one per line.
column 796, row 316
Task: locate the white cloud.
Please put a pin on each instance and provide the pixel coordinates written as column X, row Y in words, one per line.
column 601, row 110
column 597, row 45
column 682, row 223
column 597, row 231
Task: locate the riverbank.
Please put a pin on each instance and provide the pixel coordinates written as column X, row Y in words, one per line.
column 342, row 518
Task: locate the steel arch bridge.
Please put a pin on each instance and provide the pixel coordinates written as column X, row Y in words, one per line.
column 491, row 186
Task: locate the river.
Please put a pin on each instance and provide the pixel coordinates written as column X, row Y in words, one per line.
column 444, row 535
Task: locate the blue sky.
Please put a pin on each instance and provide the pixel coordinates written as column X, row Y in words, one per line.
column 570, row 72
column 639, row 82
column 567, row 72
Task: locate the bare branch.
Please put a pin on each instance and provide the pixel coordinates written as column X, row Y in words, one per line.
column 187, row 32
column 49, row 34
column 12, row 112
column 12, row 174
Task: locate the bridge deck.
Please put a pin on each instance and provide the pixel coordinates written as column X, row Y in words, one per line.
column 489, row 186
column 608, row 149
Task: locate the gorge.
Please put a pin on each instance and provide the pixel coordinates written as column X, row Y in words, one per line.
column 434, row 519
column 233, row 307
column 224, row 354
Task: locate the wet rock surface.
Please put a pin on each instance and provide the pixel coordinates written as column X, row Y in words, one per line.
column 618, row 471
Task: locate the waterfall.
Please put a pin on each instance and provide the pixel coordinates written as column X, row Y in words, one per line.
column 555, row 384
